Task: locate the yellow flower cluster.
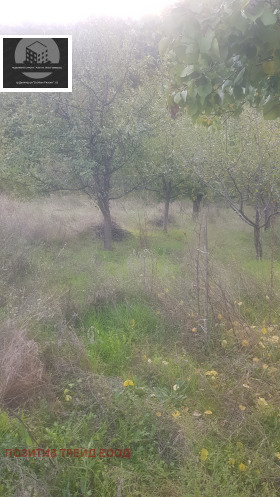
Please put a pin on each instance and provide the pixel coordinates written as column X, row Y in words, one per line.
column 211, row 373
column 203, row 454
column 127, row 383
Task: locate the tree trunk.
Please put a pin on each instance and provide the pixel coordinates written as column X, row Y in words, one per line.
column 166, row 211
column 258, row 244
column 107, row 232
column 257, row 231
column 269, row 211
column 167, row 185
column 196, row 206
column 267, row 217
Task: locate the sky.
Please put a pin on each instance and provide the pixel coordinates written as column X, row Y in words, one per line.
column 54, row 11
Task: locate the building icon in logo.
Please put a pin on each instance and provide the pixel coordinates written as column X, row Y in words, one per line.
column 37, row 53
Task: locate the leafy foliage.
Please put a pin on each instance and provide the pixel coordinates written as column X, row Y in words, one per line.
column 224, row 56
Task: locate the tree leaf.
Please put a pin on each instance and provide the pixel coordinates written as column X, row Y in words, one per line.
column 204, row 88
column 250, row 50
column 256, row 12
column 192, row 108
column 177, row 98
column 184, row 94
column 215, row 48
column 268, row 67
column 187, row 71
column 239, row 76
column 180, row 51
column 206, row 41
column 268, row 18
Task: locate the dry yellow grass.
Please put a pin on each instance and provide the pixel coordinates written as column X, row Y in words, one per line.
column 21, row 368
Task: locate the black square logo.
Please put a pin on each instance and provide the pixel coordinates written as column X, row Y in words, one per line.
column 36, row 63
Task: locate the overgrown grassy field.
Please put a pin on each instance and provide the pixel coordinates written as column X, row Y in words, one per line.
column 107, row 350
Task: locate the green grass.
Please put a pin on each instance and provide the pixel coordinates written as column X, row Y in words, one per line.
column 134, row 312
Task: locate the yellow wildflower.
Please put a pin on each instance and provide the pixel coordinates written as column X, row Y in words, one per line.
column 241, row 467
column 175, row 414
column 68, row 397
column 166, row 290
column 204, row 454
column 241, row 407
column 219, row 316
column 264, row 330
column 194, row 330
column 211, row 373
column 127, row 383
column 208, row 412
column 158, row 414
column 277, row 454
column 245, row 343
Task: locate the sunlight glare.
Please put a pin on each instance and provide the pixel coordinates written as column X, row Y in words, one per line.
column 31, row 11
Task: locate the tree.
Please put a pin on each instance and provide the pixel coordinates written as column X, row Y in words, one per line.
column 86, row 140
column 106, row 116
column 15, row 113
column 172, row 151
column 223, row 56
column 163, row 170
column 243, row 168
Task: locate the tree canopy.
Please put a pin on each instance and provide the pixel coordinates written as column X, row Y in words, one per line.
column 224, row 56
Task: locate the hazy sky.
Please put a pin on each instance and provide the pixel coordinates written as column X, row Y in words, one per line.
column 50, row 11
